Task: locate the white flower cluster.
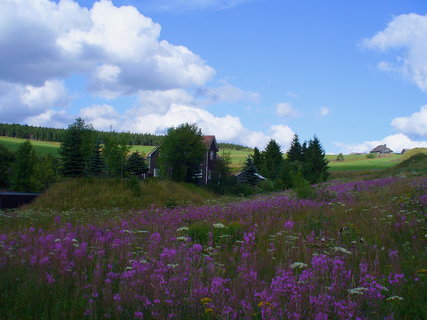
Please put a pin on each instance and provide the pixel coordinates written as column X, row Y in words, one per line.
column 298, row 265
column 342, row 250
column 358, row 290
column 218, row 225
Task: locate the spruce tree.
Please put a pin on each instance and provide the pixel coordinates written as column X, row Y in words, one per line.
column 76, row 148
column 258, row 159
column 6, row 161
column 315, row 167
column 135, row 165
column 23, row 168
column 96, row 164
column 273, row 160
column 249, row 172
column 295, row 152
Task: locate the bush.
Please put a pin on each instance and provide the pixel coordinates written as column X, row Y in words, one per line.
column 370, row 156
column 302, row 187
column 340, row 157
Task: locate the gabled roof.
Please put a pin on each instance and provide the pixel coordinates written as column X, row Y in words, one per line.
column 382, row 148
column 208, row 140
column 152, row 151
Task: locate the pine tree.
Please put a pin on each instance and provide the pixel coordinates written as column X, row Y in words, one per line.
column 96, row 164
column 135, row 165
column 249, row 172
column 23, row 168
column 273, row 160
column 315, row 167
column 76, row 148
column 45, row 172
column 258, row 158
column 295, row 152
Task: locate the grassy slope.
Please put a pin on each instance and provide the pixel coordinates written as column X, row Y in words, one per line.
column 360, row 162
column 95, row 200
column 41, row 147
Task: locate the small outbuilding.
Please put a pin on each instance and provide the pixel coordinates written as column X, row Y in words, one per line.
column 381, row 149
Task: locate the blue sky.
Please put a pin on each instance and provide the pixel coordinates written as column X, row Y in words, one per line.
column 352, row 72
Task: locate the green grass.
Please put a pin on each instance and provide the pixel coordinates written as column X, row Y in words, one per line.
column 98, row 199
column 361, row 163
column 41, row 147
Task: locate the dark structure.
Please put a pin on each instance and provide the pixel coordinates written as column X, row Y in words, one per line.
column 382, row 149
column 12, row 200
column 206, row 166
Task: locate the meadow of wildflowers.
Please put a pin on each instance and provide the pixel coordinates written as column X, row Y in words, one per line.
column 356, row 251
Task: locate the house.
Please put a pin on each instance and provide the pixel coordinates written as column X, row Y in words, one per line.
column 382, row 149
column 206, row 166
column 404, row 151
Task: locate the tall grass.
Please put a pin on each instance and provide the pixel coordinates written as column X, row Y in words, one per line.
column 356, row 251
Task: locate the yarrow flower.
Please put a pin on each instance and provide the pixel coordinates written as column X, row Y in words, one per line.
column 394, row 298
column 358, row 290
column 298, row 265
column 218, row 225
column 182, row 229
column 341, row 249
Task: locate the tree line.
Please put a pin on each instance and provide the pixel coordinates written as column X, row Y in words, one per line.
column 303, row 164
column 80, row 155
column 58, row 135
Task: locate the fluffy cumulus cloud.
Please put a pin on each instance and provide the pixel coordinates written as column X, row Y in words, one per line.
column 415, row 124
column 102, row 117
column 395, row 142
column 408, row 34
column 224, row 128
column 50, row 118
column 18, row 101
column 160, row 101
column 286, row 110
column 118, row 46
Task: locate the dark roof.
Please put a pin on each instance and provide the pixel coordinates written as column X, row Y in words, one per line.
column 382, row 148
column 152, row 151
column 208, row 140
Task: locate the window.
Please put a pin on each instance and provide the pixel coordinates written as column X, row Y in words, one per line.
column 212, row 155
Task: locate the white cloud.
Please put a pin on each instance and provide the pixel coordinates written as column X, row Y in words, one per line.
column 283, row 136
column 159, row 101
column 408, row 34
column 225, row 128
column 395, row 142
column 50, row 118
column 324, row 111
column 18, row 102
column 415, row 124
column 102, row 117
column 42, row 40
column 285, row 110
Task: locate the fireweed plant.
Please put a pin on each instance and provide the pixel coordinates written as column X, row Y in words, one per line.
column 356, row 251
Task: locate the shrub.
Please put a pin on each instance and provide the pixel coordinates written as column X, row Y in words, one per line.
column 371, row 156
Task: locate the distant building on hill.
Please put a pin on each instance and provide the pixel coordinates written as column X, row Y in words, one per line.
column 382, row 149
column 404, row 151
column 206, row 166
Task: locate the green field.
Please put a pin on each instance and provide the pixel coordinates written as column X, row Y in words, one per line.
column 360, row 162
column 41, row 147
column 350, row 163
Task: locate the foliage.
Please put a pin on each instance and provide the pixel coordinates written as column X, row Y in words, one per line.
column 76, row 148
column 412, row 152
column 181, row 153
column 340, row 157
column 272, row 160
column 249, row 172
column 6, row 160
column 45, row 173
column 258, row 158
column 233, row 146
column 135, row 164
column 58, row 135
column 295, row 152
column 371, row 156
column 96, row 163
column 315, row 167
column 115, row 152
column 23, row 168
